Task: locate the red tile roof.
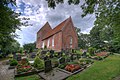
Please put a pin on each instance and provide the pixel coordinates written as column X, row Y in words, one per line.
column 55, row 30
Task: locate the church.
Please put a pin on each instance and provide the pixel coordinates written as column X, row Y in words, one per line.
column 62, row 37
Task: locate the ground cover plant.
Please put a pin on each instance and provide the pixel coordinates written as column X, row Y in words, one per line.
column 101, row 70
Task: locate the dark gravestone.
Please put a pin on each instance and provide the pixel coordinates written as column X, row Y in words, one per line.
column 48, row 66
column 71, row 57
column 59, row 54
column 51, row 53
column 14, row 56
column 32, row 55
column 18, row 57
column 61, row 60
column 45, row 58
column 84, row 54
column 43, row 52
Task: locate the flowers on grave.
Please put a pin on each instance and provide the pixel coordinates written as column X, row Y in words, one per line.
column 23, row 68
column 72, row 67
column 102, row 54
column 38, row 63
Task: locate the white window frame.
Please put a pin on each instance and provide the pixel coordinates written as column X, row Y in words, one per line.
column 43, row 44
column 71, row 42
column 48, row 44
column 53, row 41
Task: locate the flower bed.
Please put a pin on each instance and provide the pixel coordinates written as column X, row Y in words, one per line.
column 76, row 66
column 72, row 67
column 23, row 68
column 102, row 54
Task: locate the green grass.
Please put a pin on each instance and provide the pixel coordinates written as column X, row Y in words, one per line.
column 100, row 70
column 31, row 77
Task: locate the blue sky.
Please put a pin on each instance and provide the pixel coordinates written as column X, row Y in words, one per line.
column 39, row 14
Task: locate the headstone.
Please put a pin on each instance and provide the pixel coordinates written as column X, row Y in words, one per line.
column 71, row 57
column 61, row 60
column 59, row 54
column 84, row 54
column 43, row 52
column 32, row 55
column 45, row 58
column 48, row 66
column 18, row 57
column 14, row 55
column 51, row 53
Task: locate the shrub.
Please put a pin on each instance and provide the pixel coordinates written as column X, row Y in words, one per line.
column 62, row 66
column 38, row 63
column 91, row 50
column 13, row 62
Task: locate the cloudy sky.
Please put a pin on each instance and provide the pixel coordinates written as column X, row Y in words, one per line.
column 39, row 14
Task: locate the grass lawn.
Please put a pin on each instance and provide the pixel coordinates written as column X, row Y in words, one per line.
column 100, row 70
column 31, row 77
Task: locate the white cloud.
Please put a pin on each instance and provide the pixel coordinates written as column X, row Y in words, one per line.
column 39, row 14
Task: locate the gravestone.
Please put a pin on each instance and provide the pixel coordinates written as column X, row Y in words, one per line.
column 71, row 57
column 51, row 53
column 43, row 52
column 61, row 60
column 45, row 58
column 48, row 66
column 59, row 54
column 18, row 57
column 84, row 54
column 32, row 55
column 14, row 56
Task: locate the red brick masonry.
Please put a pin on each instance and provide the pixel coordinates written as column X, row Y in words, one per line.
column 63, row 36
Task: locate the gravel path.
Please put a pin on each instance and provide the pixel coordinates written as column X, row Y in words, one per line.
column 5, row 73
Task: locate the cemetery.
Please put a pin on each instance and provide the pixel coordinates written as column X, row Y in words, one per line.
column 51, row 65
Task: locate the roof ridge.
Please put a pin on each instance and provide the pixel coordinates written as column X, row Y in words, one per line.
column 44, row 25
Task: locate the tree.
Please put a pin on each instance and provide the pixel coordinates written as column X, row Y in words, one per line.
column 29, row 47
column 107, row 13
column 83, row 39
column 9, row 22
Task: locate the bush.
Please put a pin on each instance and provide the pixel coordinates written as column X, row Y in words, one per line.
column 91, row 50
column 38, row 63
column 13, row 62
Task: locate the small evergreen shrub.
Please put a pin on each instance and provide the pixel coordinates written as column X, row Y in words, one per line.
column 13, row 62
column 38, row 63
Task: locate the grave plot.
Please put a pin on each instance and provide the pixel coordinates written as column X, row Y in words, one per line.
column 53, row 73
column 65, row 69
column 99, row 56
column 24, row 68
column 76, row 66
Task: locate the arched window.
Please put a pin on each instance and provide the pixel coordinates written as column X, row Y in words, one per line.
column 43, row 44
column 71, row 42
column 48, row 43
column 53, row 41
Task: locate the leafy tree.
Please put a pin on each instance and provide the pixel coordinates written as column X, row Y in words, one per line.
column 83, row 39
column 9, row 22
column 29, row 47
column 107, row 14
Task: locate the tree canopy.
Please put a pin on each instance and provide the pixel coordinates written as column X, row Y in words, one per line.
column 107, row 23
column 9, row 22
